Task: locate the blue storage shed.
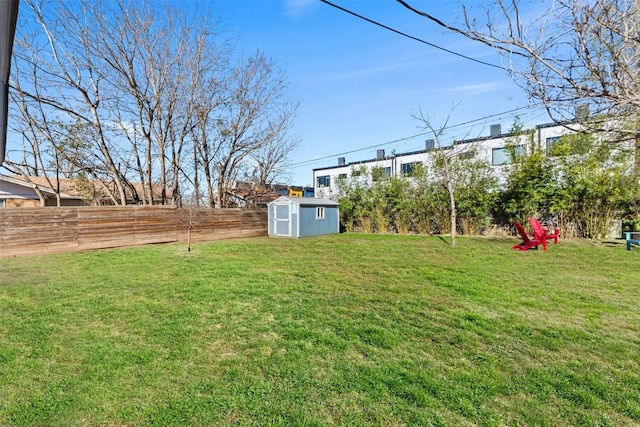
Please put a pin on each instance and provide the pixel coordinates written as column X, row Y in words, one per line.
column 303, row 216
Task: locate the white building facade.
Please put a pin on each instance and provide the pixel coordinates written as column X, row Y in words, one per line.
column 494, row 149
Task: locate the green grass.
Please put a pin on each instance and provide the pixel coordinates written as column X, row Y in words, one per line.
column 336, row 330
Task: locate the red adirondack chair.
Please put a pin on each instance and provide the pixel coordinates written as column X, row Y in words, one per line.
column 541, row 233
column 528, row 242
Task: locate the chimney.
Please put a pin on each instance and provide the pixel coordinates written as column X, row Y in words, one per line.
column 380, row 155
column 582, row 112
column 429, row 144
column 341, row 161
column 495, row 130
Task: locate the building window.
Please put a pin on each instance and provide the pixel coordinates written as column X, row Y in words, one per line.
column 409, row 169
column 467, row 155
column 1, row 203
column 552, row 142
column 323, row 181
column 379, row 172
column 502, row 156
column 320, row 212
column 342, row 176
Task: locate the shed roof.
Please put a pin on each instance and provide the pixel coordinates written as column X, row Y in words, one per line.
column 308, row 201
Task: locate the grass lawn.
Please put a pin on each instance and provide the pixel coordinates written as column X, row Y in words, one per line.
column 338, row 330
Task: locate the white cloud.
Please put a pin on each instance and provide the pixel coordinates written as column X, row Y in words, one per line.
column 478, row 88
column 297, row 8
column 408, row 62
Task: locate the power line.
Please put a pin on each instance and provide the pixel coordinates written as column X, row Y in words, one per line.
column 412, row 37
column 467, row 34
column 359, row 149
column 468, row 122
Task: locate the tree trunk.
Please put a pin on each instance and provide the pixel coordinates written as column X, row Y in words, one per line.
column 196, row 181
column 637, row 155
column 454, row 213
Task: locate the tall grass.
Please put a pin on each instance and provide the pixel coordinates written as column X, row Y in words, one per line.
column 336, row 330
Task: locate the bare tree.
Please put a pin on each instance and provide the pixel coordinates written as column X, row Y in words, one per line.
column 444, row 157
column 148, row 86
column 51, row 149
column 570, row 54
column 65, row 81
column 205, row 148
column 120, row 41
column 270, row 160
column 164, row 75
column 257, row 114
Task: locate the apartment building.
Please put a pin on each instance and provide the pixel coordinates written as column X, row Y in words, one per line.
column 491, row 148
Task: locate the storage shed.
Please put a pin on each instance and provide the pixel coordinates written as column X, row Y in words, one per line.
column 303, row 216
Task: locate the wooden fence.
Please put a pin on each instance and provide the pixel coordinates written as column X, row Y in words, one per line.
column 38, row 231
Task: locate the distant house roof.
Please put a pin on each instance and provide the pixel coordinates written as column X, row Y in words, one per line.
column 89, row 190
column 253, row 196
column 18, row 188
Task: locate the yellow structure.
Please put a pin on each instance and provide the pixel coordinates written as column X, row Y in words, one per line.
column 295, row 192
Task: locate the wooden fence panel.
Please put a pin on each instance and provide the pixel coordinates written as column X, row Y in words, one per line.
column 160, row 226
column 34, row 226
column 36, row 231
column 108, row 227
column 214, row 224
column 254, row 223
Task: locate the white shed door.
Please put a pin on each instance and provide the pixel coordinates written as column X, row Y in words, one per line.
column 282, row 219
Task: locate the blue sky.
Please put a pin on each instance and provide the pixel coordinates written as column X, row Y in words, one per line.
column 359, row 84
